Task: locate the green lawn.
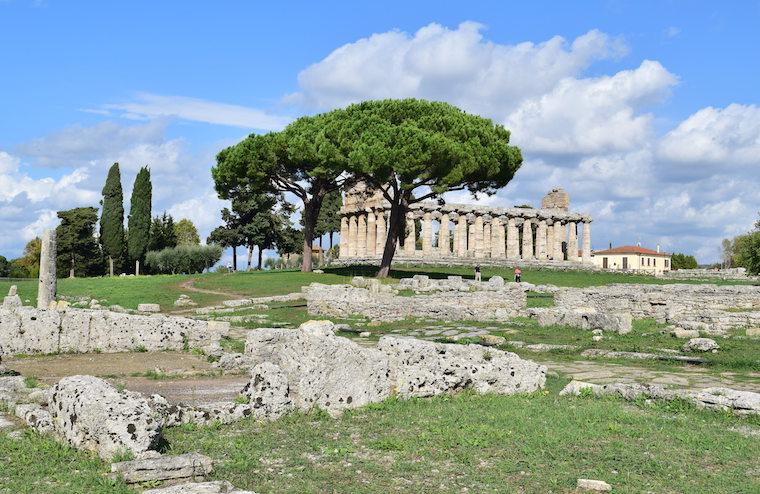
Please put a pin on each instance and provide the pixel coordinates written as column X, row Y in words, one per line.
column 164, row 289
column 468, row 443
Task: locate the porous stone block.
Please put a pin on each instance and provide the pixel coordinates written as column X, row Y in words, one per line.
column 90, row 414
column 421, row 368
column 594, row 485
column 189, row 466
column 35, row 416
column 268, row 391
column 218, row 487
column 322, row 370
column 700, row 345
column 148, row 307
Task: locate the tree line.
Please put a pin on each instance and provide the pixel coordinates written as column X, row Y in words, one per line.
column 410, row 150
column 81, row 251
column 743, row 251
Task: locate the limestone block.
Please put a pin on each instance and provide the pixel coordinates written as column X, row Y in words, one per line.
column 13, row 390
column 36, row 417
column 88, row 413
column 268, row 391
column 594, row 485
column 189, row 466
column 12, row 300
column 218, row 487
column 421, row 368
column 685, row 333
column 184, row 301
column 323, row 370
column 753, row 332
column 701, row 345
column 148, row 307
column 28, row 330
column 231, row 362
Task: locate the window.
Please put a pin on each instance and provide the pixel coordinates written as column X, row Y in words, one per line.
column 654, row 262
column 625, row 263
column 648, row 261
column 667, row 263
column 604, row 263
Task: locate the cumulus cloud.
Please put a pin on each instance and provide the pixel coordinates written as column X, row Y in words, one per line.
column 454, row 65
column 151, row 106
column 727, row 136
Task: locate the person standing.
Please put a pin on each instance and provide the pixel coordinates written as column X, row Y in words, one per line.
column 518, row 275
column 477, row 273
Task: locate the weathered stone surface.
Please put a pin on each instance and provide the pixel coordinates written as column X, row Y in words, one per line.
column 190, row 466
column 422, row 368
column 184, row 301
column 753, row 332
column 90, row 414
column 584, row 318
column 494, row 304
column 739, row 402
column 685, row 333
column 600, row 352
column 12, row 300
column 701, row 345
column 26, row 330
column 224, row 412
column 492, row 340
column 148, row 308
column 268, row 391
column 235, row 362
column 35, row 416
column 218, row 487
column 13, row 390
column 46, row 286
column 323, row 370
column 594, row 485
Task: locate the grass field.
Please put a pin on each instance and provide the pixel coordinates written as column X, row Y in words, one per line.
column 165, row 289
column 465, row 443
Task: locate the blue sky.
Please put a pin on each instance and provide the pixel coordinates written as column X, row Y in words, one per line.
column 647, row 112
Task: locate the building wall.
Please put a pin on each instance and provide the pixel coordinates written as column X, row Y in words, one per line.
column 635, row 262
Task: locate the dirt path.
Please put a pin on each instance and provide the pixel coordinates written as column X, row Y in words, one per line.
column 189, row 285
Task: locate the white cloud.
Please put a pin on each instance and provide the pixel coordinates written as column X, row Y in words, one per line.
column 151, row 106
column 204, row 211
column 727, row 137
column 457, row 66
column 583, row 116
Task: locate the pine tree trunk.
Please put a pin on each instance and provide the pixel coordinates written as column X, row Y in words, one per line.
column 331, row 240
column 397, row 215
column 234, row 258
column 261, row 254
column 250, row 257
column 311, row 211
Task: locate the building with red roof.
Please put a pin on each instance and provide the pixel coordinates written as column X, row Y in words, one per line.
column 633, row 258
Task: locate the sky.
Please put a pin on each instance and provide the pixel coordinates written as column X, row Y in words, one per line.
column 647, row 113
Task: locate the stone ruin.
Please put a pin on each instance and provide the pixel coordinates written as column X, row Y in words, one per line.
column 551, row 236
column 47, row 278
column 488, row 301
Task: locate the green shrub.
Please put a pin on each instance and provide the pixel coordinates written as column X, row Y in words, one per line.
column 186, row 259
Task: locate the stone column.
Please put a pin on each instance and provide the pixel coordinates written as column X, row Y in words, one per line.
column 471, row 237
column 486, row 237
column 352, row 230
column 47, row 281
column 382, row 234
column 559, row 236
column 497, row 238
column 541, row 240
column 371, row 234
column 586, row 242
column 361, row 236
column 479, row 253
column 527, row 240
column 550, row 241
column 427, row 233
column 513, row 247
column 409, row 240
column 462, row 237
column 572, row 242
column 343, row 237
column 443, row 236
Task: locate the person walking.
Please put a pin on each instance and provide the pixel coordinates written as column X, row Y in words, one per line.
column 477, row 273
column 518, row 275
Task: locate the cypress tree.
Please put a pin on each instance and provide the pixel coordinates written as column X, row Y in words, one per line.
column 112, row 220
column 139, row 218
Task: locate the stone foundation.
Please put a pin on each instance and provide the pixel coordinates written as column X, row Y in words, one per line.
column 26, row 330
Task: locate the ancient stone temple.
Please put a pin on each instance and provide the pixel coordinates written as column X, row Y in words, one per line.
column 454, row 233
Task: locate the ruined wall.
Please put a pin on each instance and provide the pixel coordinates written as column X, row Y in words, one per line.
column 346, row 300
column 27, row 330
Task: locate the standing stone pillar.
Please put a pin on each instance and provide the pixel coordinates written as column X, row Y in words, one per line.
column 343, row 237
column 527, row 240
column 471, row 236
column 382, row 234
column 550, row 241
column 586, row 242
column 572, row 242
column 47, row 282
column 478, row 236
column 371, row 234
column 513, row 247
column 443, row 236
column 462, row 228
column 410, row 235
column 497, row 240
column 486, row 237
column 559, row 236
column 541, row 240
column 361, row 236
column 352, row 230
column 427, row 233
